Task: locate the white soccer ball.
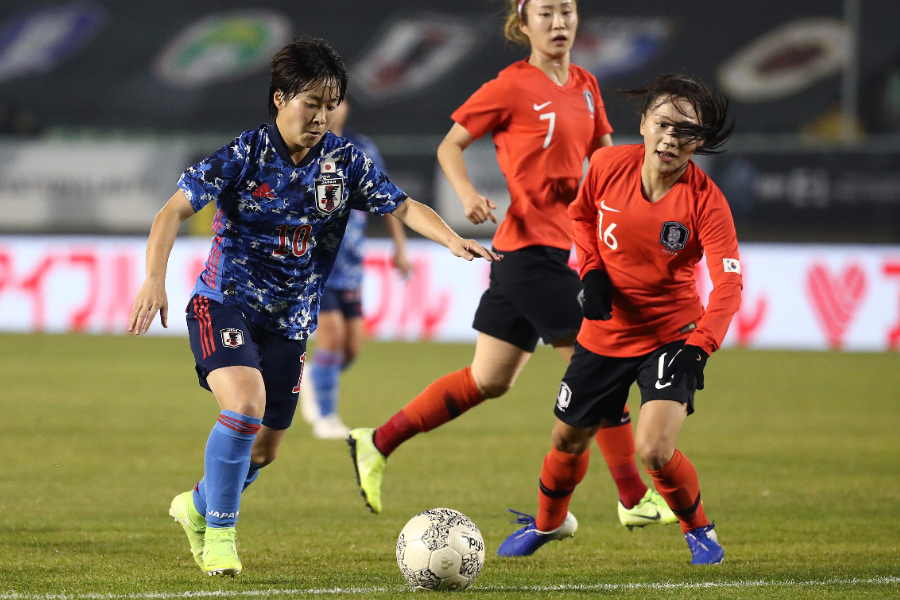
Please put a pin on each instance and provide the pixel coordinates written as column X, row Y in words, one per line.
column 440, row 549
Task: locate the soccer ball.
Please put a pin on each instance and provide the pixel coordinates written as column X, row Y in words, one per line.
column 440, row 549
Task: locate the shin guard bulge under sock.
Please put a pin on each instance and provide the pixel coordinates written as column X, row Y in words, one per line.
column 560, row 473
column 226, row 466
column 678, row 483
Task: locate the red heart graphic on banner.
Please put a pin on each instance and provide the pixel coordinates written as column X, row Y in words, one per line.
column 836, row 299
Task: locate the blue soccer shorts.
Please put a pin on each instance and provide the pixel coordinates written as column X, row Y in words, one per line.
column 349, row 302
column 221, row 336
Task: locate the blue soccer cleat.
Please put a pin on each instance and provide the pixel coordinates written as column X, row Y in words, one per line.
column 528, row 539
column 704, row 545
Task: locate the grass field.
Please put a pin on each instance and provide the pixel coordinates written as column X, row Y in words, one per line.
column 798, row 453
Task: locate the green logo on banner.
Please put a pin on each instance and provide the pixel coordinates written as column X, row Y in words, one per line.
column 222, row 47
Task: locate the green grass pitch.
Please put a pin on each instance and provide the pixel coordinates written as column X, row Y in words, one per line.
column 798, row 454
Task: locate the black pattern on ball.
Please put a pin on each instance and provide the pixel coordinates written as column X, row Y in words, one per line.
column 470, row 565
column 435, row 537
column 426, row 578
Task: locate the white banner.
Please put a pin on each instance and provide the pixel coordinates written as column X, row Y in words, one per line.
column 86, row 185
column 795, row 296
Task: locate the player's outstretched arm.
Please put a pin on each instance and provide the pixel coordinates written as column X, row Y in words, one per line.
column 477, row 208
column 425, row 221
column 151, row 298
column 398, row 235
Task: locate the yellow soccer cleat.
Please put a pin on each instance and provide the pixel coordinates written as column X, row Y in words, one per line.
column 183, row 511
column 369, row 464
column 651, row 510
column 220, row 552
column 666, row 516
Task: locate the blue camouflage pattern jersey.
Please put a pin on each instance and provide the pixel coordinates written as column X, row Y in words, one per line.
column 347, row 273
column 279, row 225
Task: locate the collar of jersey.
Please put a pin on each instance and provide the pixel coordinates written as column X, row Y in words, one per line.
column 282, row 150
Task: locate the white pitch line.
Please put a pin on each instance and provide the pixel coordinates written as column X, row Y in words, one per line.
column 597, row 587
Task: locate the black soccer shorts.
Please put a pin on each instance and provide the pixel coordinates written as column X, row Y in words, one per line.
column 595, row 388
column 532, row 295
column 221, row 336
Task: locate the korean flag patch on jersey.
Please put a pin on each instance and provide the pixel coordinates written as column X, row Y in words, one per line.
column 731, row 265
column 589, row 100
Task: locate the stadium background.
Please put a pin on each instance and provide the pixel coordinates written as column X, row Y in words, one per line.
column 102, row 104
column 99, row 121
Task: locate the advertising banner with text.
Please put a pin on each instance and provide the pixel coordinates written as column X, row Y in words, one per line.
column 795, row 296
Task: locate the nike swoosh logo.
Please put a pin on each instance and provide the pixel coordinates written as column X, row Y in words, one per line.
column 655, row 517
column 605, row 207
column 541, row 106
column 662, row 386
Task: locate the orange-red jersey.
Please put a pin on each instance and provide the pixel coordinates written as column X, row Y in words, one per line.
column 649, row 250
column 542, row 132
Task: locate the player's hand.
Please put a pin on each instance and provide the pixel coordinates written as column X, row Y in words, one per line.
column 469, row 249
column 596, row 296
column 150, row 299
column 687, row 362
column 402, row 264
column 478, row 208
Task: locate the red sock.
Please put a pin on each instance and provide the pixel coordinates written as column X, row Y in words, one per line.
column 678, row 483
column 617, row 445
column 394, row 432
column 444, row 400
column 560, row 473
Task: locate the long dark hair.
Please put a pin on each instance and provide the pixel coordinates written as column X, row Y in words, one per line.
column 304, row 63
column 710, row 106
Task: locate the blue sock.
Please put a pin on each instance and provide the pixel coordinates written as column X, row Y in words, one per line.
column 200, row 488
column 226, row 468
column 252, row 474
column 326, row 369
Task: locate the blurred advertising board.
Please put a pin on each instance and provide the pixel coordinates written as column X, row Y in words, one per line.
column 74, row 186
column 799, row 193
column 804, row 194
column 795, row 296
column 206, row 64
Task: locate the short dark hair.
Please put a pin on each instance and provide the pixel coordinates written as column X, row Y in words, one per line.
column 711, row 107
column 304, row 63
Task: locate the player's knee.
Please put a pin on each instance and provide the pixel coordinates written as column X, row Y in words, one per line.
column 250, row 406
column 571, row 440
column 653, row 454
column 571, row 446
column 494, row 388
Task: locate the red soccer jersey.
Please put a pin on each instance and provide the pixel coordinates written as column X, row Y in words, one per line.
column 542, row 132
column 650, row 250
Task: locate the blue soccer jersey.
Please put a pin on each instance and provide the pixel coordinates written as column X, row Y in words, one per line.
column 347, row 273
column 279, row 225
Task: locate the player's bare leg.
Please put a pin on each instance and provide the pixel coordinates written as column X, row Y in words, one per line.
column 495, row 367
column 675, row 476
column 353, row 340
column 638, row 505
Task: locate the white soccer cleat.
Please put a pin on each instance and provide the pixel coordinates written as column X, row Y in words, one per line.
column 309, row 408
column 330, row 427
